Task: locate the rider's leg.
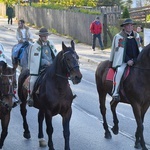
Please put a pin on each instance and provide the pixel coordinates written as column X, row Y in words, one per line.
column 31, row 86
column 120, row 71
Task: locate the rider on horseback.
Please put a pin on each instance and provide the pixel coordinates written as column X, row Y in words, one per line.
column 41, row 53
column 126, row 47
column 24, row 38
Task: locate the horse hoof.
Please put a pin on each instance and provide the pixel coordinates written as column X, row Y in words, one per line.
column 42, row 143
column 114, row 130
column 108, row 135
column 27, row 135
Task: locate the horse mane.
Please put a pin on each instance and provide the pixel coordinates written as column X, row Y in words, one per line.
column 144, row 52
column 51, row 70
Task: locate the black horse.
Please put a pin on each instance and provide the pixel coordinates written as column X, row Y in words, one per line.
column 6, row 98
column 136, row 88
column 55, row 95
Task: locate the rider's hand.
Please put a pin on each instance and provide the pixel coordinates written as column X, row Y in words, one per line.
column 130, row 62
column 110, row 64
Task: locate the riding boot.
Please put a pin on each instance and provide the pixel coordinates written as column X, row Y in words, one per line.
column 120, row 71
column 16, row 101
column 30, row 101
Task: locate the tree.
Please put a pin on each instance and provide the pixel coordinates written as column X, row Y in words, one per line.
column 110, row 2
column 129, row 3
column 9, row 2
column 125, row 13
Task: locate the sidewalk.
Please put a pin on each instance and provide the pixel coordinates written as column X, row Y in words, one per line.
column 84, row 51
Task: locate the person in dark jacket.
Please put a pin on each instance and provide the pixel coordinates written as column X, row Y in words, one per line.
column 96, row 30
column 9, row 13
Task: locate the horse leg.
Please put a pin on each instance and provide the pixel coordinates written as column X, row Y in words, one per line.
column 49, row 129
column 42, row 142
column 4, row 124
column 115, row 128
column 66, row 128
column 139, row 116
column 23, row 111
column 102, row 99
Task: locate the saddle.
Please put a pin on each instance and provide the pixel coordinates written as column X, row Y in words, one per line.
column 37, row 82
column 39, row 79
column 110, row 77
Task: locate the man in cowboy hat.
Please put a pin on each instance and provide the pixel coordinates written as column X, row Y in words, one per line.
column 42, row 53
column 125, row 49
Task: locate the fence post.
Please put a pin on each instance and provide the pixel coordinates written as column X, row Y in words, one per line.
column 105, row 30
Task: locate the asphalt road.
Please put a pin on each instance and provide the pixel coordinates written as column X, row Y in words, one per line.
column 87, row 132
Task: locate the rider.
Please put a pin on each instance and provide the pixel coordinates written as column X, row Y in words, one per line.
column 3, row 65
column 24, row 37
column 126, row 47
column 19, row 51
column 41, row 54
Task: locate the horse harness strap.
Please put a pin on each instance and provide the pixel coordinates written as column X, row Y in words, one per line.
column 65, row 62
column 65, row 77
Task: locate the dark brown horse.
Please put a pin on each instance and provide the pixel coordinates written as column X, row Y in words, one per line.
column 55, row 95
column 136, row 88
column 6, row 96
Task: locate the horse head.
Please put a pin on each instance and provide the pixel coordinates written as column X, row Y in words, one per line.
column 7, row 87
column 71, row 63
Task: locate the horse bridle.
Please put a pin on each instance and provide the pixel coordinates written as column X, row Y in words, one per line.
column 69, row 69
column 10, row 91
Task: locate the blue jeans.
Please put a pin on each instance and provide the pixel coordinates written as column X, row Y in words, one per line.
column 94, row 36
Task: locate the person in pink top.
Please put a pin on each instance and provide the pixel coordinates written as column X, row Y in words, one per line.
column 96, row 30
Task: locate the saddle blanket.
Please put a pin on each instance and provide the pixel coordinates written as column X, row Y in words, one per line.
column 111, row 73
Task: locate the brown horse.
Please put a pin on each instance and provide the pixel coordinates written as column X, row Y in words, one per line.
column 136, row 88
column 6, row 96
column 55, row 95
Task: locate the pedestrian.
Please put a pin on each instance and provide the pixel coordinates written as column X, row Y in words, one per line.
column 126, row 47
column 139, row 30
column 9, row 13
column 41, row 55
column 96, row 30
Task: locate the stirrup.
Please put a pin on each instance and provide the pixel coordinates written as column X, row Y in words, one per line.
column 16, row 101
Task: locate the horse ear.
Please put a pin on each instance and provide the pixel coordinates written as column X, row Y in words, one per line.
column 63, row 46
column 72, row 44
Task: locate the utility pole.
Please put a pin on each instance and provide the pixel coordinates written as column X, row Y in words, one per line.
column 18, row 9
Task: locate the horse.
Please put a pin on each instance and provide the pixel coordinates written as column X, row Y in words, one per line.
column 136, row 88
column 6, row 98
column 55, row 95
